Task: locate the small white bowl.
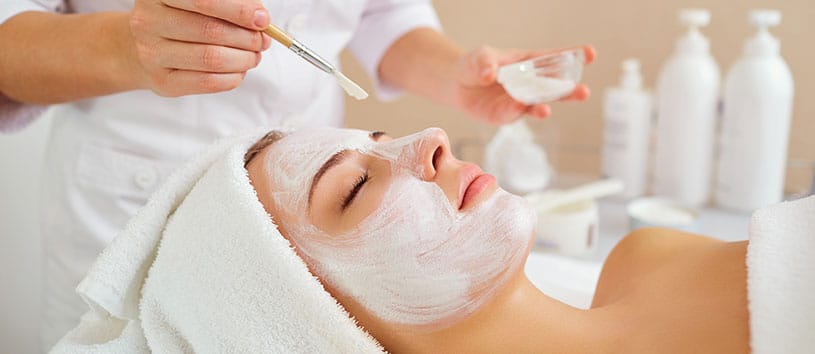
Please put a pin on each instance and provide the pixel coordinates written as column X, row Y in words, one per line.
column 661, row 212
column 545, row 78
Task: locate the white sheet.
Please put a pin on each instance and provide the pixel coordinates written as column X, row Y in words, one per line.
column 567, row 279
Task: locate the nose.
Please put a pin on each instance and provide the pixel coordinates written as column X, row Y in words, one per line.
column 433, row 150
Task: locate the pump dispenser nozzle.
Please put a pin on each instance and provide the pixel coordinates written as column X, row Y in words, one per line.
column 694, row 18
column 631, row 79
column 763, row 42
column 763, row 18
column 693, row 41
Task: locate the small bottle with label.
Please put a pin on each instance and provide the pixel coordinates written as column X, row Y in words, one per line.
column 626, row 130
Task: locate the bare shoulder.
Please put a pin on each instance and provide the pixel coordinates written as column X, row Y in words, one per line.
column 657, row 241
column 640, row 253
column 679, row 292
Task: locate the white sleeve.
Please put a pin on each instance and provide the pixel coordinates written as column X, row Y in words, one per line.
column 16, row 115
column 382, row 23
column 10, row 8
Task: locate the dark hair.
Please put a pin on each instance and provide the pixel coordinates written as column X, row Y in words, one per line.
column 261, row 144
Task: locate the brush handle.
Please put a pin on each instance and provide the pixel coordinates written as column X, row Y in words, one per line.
column 297, row 47
column 279, row 35
column 589, row 191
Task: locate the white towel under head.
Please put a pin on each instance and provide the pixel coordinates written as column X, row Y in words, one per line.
column 781, row 278
column 202, row 268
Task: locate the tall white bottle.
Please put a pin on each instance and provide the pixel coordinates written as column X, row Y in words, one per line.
column 758, row 94
column 687, row 96
column 627, row 124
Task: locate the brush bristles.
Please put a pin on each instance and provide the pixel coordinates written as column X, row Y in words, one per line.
column 350, row 87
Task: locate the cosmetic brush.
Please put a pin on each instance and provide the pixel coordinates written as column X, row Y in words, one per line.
column 310, row 56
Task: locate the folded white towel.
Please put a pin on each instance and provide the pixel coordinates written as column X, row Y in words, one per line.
column 781, row 278
column 202, row 268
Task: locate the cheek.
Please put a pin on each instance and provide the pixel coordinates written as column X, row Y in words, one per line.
column 416, row 261
column 410, row 210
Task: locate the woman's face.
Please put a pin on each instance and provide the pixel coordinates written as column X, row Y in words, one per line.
column 399, row 226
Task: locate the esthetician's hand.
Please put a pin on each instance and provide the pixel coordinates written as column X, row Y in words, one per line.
column 478, row 92
column 183, row 47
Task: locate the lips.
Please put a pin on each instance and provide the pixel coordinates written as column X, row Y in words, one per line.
column 474, row 182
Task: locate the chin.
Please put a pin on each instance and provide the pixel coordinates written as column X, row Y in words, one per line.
column 517, row 219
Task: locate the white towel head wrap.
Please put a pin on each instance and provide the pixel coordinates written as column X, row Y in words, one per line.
column 202, row 268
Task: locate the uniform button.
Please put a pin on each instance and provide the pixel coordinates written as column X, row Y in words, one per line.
column 146, row 178
column 296, row 23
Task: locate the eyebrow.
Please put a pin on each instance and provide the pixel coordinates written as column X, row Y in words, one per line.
column 268, row 139
column 333, row 161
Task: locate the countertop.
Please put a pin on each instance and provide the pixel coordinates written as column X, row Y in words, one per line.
column 572, row 279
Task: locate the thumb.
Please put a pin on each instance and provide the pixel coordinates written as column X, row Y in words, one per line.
column 483, row 66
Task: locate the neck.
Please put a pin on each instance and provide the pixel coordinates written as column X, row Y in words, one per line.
column 518, row 319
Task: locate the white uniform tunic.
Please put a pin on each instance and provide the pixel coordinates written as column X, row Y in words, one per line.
column 107, row 154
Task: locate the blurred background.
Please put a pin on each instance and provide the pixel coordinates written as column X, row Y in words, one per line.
column 646, row 30
column 572, row 136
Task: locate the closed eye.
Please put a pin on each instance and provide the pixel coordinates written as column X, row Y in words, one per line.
column 351, row 195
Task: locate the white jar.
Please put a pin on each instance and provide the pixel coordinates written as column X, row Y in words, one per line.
column 570, row 229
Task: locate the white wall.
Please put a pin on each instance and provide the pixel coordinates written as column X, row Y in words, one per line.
column 20, row 252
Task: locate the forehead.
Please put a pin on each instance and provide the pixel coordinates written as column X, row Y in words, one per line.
column 317, row 144
column 294, row 159
column 319, row 139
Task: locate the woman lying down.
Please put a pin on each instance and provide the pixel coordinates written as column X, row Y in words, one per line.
column 339, row 240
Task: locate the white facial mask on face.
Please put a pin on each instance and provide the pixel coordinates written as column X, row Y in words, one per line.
column 415, row 260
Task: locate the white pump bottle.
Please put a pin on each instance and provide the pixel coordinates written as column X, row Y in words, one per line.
column 627, row 124
column 756, row 122
column 687, row 97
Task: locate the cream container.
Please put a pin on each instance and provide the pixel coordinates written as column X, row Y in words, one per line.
column 568, row 219
column 570, row 229
column 661, row 212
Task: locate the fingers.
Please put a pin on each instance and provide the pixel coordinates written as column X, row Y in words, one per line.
column 539, row 110
column 514, row 55
column 509, row 56
column 249, row 14
column 204, row 57
column 580, row 93
column 486, row 60
column 483, row 65
column 495, row 105
column 196, row 46
column 510, row 111
column 197, row 28
column 483, row 62
column 184, row 82
column 589, row 53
